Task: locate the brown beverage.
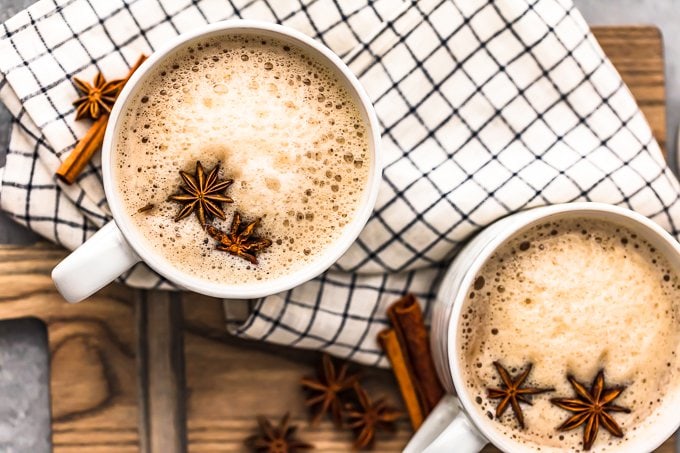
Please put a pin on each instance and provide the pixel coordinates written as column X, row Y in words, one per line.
column 573, row 297
column 280, row 123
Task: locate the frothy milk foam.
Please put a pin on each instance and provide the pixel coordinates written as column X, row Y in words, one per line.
column 573, row 297
column 280, row 123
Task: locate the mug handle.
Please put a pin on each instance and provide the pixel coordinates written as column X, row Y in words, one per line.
column 446, row 429
column 93, row 265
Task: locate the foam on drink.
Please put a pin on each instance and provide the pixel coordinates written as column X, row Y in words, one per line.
column 573, row 297
column 280, row 123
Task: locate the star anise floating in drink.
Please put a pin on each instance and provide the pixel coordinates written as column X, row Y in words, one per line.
column 592, row 409
column 512, row 393
column 203, row 194
column 97, row 97
column 239, row 241
column 277, row 439
column 369, row 417
column 327, row 388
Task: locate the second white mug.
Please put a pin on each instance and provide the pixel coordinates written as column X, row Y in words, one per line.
column 456, row 424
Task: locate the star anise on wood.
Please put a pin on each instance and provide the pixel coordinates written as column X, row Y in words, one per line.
column 277, row 439
column 239, row 241
column 369, row 417
column 203, row 194
column 591, row 409
column 512, row 393
column 326, row 388
column 96, row 97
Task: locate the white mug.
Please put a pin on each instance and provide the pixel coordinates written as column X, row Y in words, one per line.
column 118, row 245
column 454, row 424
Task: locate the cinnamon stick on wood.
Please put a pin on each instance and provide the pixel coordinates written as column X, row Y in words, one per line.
column 409, row 325
column 390, row 344
column 91, row 141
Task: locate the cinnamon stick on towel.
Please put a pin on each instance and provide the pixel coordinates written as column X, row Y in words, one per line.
column 91, row 141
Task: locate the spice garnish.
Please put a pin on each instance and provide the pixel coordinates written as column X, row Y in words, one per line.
column 97, row 97
column 591, row 409
column 369, row 417
column 239, row 241
column 78, row 159
column 512, row 392
column 326, row 388
column 146, row 207
column 202, row 195
column 277, row 439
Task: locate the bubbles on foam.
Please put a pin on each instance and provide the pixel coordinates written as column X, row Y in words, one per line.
column 574, row 296
column 298, row 163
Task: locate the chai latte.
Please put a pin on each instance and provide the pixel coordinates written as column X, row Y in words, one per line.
column 280, row 123
column 573, row 297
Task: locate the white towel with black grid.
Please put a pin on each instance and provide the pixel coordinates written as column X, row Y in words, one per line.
column 486, row 107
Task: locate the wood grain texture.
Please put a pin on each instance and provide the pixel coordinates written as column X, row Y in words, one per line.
column 161, row 372
column 93, row 387
column 637, row 53
column 231, row 381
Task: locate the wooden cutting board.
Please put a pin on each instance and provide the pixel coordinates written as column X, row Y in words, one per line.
column 156, row 372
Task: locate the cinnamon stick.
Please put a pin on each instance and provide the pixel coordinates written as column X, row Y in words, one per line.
column 82, row 153
column 407, row 319
column 390, row 344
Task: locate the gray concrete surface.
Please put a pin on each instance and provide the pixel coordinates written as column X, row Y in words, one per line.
column 24, row 409
column 24, row 393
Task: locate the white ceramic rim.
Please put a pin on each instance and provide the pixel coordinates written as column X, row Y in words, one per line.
column 330, row 255
column 656, row 437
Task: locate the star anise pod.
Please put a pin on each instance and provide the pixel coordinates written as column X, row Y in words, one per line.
column 369, row 417
column 203, row 194
column 97, row 97
column 591, row 409
column 276, row 439
column 326, row 388
column 512, row 393
column 239, row 241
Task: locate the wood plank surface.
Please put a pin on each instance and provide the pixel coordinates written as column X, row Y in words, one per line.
column 161, row 372
column 230, row 382
column 117, row 381
column 93, row 379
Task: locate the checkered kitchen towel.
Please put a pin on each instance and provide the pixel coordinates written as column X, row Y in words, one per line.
column 486, row 107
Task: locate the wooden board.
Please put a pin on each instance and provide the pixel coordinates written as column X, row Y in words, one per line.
column 93, row 379
column 156, row 372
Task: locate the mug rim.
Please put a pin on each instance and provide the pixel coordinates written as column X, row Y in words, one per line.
column 662, row 433
column 327, row 257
